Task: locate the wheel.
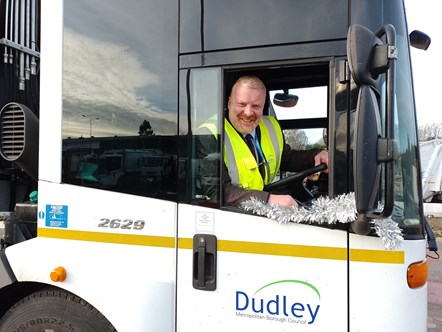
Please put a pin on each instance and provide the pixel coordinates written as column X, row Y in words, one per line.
column 292, row 185
column 54, row 310
column 294, row 178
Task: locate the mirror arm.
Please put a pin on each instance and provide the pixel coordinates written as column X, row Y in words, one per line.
column 387, row 150
column 382, row 56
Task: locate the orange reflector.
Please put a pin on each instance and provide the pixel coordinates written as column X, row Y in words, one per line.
column 58, row 274
column 417, row 274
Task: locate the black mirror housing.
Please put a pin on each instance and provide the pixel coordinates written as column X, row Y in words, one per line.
column 366, row 168
column 419, row 40
column 285, row 100
column 368, row 58
column 361, row 43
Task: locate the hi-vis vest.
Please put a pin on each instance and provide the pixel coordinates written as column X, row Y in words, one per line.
column 241, row 164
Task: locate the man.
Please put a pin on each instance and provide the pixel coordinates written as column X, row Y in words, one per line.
column 248, row 169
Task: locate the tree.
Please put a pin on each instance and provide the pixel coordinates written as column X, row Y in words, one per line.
column 430, row 131
column 145, row 129
column 296, row 138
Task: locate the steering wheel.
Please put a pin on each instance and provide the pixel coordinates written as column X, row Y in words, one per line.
column 293, row 183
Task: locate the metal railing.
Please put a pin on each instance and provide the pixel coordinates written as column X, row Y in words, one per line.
column 20, row 41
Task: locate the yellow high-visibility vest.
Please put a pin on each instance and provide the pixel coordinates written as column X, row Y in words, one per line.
column 241, row 164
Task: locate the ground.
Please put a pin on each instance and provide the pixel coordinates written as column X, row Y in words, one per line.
column 436, row 225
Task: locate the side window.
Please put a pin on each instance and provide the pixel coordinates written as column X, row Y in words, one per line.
column 201, row 90
column 120, row 118
column 305, row 127
column 311, row 106
column 213, row 150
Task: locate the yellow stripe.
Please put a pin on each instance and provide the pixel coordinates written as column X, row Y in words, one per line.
column 283, row 250
column 141, row 240
column 356, row 255
column 377, row 256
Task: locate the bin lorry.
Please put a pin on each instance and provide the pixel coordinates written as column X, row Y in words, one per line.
column 83, row 81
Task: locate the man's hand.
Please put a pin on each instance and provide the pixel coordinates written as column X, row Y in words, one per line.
column 322, row 158
column 282, row 200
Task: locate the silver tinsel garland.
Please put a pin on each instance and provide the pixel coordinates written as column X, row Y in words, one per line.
column 324, row 210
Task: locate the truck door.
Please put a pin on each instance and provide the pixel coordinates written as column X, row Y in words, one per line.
column 238, row 270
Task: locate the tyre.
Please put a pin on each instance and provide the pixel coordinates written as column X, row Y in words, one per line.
column 54, row 310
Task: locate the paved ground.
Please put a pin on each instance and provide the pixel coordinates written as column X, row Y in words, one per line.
column 435, row 291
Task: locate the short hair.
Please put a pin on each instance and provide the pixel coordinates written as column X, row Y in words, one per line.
column 250, row 81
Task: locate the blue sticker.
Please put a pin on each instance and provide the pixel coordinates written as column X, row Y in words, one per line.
column 57, row 216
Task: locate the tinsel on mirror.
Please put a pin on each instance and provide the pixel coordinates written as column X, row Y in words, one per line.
column 325, row 210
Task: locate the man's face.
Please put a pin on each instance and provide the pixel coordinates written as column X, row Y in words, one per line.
column 245, row 108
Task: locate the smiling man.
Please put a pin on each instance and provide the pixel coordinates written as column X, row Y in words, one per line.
column 246, row 104
column 254, row 147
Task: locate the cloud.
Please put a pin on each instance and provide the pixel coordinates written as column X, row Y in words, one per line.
column 104, row 80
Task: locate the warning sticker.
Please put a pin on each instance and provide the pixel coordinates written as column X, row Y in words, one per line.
column 57, row 216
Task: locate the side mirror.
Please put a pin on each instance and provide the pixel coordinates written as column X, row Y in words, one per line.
column 366, row 168
column 361, row 43
column 368, row 58
column 419, row 40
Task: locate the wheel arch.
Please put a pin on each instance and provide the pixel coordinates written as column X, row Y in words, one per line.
column 12, row 291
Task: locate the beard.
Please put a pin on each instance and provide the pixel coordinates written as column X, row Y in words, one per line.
column 245, row 125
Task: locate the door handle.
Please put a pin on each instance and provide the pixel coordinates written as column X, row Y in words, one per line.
column 204, row 262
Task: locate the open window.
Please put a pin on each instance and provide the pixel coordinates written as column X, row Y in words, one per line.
column 304, row 120
column 310, row 107
column 303, row 112
column 297, row 96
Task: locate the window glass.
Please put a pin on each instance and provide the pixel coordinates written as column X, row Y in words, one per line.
column 307, row 138
column 311, row 104
column 202, row 90
column 407, row 195
column 120, row 95
column 205, row 94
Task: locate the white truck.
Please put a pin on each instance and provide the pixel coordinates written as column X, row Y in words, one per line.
column 431, row 163
column 154, row 252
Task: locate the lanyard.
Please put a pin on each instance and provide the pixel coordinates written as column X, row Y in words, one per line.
column 258, row 148
column 261, row 157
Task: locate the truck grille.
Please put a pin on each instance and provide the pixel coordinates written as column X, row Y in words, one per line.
column 12, row 130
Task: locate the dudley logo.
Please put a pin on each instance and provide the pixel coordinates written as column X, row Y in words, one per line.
column 283, row 304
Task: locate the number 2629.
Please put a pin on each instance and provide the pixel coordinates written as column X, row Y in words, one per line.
column 122, row 224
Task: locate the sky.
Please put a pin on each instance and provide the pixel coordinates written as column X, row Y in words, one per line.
column 424, row 15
